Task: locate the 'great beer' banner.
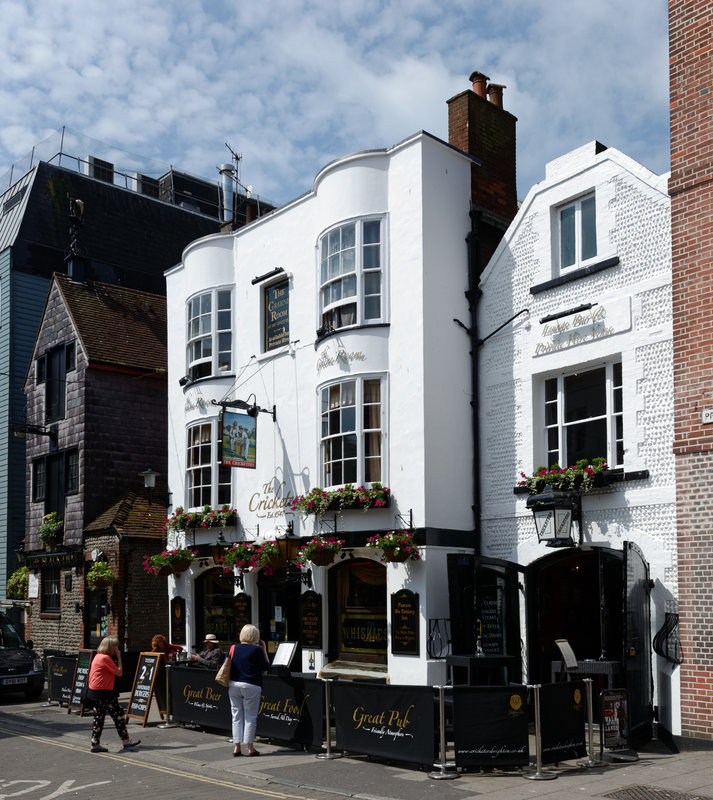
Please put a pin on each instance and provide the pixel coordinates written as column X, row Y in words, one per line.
column 393, row 722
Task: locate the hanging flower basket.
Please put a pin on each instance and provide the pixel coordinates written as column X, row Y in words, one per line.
column 163, row 570
column 395, row 555
column 51, row 529
column 320, row 551
column 395, row 546
column 268, row 555
column 169, row 561
column 322, row 558
column 241, row 556
column 180, row 566
column 100, row 576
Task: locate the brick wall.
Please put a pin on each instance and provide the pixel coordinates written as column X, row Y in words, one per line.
column 691, row 103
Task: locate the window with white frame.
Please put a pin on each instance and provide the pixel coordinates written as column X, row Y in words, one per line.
column 577, row 232
column 208, row 482
column 583, row 415
column 352, row 431
column 351, row 274
column 209, row 334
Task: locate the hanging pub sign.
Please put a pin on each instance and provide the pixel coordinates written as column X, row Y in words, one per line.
column 277, row 315
column 392, row 722
column 311, row 620
column 563, row 712
column 239, row 440
column 242, row 613
column 178, row 620
column 490, row 726
column 405, row 623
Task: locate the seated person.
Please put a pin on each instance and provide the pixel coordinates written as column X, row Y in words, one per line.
column 160, row 644
column 211, row 656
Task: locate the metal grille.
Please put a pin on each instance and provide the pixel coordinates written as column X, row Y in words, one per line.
column 653, row 793
column 666, row 642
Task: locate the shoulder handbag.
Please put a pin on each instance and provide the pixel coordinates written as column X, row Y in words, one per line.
column 223, row 674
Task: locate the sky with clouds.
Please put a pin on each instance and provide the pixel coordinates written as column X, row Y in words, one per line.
column 292, row 84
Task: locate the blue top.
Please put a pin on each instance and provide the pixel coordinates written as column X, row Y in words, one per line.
column 248, row 664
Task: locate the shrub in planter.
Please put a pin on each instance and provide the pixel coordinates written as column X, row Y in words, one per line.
column 100, row 575
column 17, row 584
column 51, row 528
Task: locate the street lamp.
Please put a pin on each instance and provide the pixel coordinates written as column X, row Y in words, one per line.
column 149, row 477
column 554, row 513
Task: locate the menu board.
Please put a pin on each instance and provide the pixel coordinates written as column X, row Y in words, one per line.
column 491, row 619
column 178, row 620
column 144, row 686
column 311, row 620
column 405, row 617
column 60, row 673
column 81, row 676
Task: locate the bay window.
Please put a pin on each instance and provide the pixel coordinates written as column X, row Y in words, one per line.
column 352, row 432
column 209, row 334
column 583, row 416
column 351, row 274
column 208, row 482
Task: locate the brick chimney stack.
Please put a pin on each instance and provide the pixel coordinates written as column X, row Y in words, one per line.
column 478, row 125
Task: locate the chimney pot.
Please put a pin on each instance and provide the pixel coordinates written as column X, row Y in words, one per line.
column 479, row 81
column 495, row 94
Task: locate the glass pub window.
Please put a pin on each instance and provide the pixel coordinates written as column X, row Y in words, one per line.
column 578, row 232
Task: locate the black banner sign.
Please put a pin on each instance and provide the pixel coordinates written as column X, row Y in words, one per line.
column 291, row 709
column 81, row 676
column 392, row 722
column 277, row 315
column 490, row 726
column 311, row 620
column 563, row 717
column 405, row 618
column 615, row 719
column 144, row 686
column 198, row 699
column 60, row 671
column 242, row 613
column 178, row 620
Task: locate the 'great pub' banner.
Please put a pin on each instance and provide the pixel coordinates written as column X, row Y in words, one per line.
column 392, row 722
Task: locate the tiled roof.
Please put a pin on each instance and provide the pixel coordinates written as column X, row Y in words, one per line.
column 132, row 515
column 117, row 326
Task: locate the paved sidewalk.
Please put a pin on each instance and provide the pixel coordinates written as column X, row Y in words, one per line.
column 657, row 775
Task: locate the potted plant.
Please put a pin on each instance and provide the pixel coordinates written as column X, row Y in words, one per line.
column 582, row 477
column 167, row 561
column 100, row 575
column 320, row 550
column 218, row 518
column 51, row 528
column 395, row 546
column 17, row 584
column 268, row 555
column 241, row 556
column 319, row 501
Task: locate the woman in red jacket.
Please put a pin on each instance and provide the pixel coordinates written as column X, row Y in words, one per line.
column 100, row 690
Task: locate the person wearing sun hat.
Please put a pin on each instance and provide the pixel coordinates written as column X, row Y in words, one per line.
column 211, row 656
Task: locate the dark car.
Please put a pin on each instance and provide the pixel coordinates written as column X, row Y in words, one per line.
column 21, row 668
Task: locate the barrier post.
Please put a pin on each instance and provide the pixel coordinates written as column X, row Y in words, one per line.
column 442, row 774
column 328, row 717
column 539, row 775
column 590, row 761
column 168, row 722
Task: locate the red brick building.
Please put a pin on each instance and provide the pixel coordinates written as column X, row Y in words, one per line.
column 691, row 189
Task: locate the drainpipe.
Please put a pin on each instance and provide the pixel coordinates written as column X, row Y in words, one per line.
column 473, row 294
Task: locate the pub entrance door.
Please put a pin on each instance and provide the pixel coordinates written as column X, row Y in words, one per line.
column 278, row 612
column 357, row 616
column 214, row 608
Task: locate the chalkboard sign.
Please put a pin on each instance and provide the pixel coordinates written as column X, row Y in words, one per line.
column 311, row 620
column 178, row 620
column 60, row 673
column 144, row 687
column 242, row 613
column 405, row 616
column 79, row 682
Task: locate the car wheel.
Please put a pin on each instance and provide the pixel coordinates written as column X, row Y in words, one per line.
column 33, row 692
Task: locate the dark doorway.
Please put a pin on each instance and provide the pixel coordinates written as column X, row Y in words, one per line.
column 214, row 593
column 357, row 612
column 575, row 595
column 279, row 612
column 97, row 607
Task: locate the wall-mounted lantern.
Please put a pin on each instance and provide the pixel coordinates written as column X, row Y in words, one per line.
column 554, row 513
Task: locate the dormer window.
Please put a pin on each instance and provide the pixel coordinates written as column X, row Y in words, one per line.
column 577, row 232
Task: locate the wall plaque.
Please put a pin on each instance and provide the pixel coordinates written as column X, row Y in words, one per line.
column 178, row 620
column 405, row 616
column 242, row 613
column 311, row 620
